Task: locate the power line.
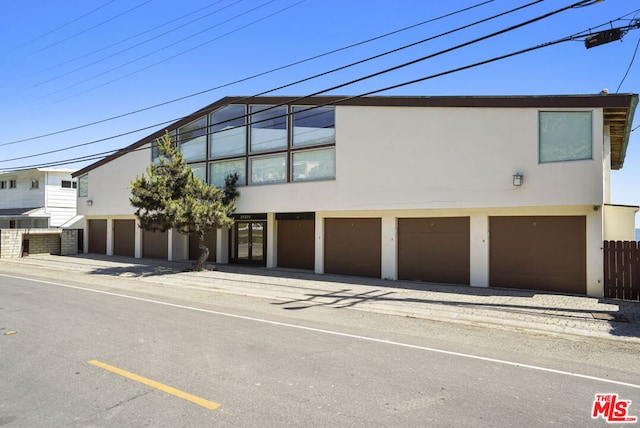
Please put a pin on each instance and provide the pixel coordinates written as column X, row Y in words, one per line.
column 343, row 99
column 135, row 46
column 346, row 84
column 630, row 64
column 249, row 77
column 91, row 28
column 154, row 28
column 160, row 50
column 63, row 25
column 407, row 83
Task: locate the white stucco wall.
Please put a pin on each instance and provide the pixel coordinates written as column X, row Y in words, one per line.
column 416, row 158
column 407, row 158
column 109, row 185
column 619, row 223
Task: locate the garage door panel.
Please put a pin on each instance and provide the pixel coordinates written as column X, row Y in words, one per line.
column 124, row 237
column 97, row 236
column 155, row 245
column 434, row 249
column 296, row 244
column 540, row 253
column 353, row 246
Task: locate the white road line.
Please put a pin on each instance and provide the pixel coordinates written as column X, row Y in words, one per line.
column 337, row 333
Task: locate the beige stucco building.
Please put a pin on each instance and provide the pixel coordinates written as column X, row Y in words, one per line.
column 509, row 191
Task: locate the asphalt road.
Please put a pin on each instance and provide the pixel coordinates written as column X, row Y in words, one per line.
column 250, row 363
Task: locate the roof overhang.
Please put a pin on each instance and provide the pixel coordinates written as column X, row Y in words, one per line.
column 620, row 122
column 18, row 212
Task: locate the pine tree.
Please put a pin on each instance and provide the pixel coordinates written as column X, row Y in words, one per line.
column 172, row 197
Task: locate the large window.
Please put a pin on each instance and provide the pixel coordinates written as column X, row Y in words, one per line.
column 313, row 126
column 155, row 150
column 83, row 186
column 218, row 171
column 565, row 136
column 268, row 169
column 268, row 128
column 263, row 144
column 200, row 171
column 228, row 131
column 193, row 140
column 314, row 165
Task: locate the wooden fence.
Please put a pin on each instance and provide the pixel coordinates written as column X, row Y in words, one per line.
column 622, row 270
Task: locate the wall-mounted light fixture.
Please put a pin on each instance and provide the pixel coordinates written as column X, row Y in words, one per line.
column 517, row 179
column 89, row 202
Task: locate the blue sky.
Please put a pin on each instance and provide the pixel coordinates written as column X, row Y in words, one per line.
column 69, row 63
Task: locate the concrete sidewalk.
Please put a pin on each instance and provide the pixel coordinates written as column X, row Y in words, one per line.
column 293, row 290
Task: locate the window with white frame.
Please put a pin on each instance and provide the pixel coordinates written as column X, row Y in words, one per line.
column 3, row 185
column 13, row 184
column 35, row 184
column 68, row 184
column 565, row 136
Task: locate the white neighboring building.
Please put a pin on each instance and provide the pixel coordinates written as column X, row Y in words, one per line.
column 507, row 191
column 37, row 198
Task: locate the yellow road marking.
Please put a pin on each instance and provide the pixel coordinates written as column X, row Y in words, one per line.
column 164, row 388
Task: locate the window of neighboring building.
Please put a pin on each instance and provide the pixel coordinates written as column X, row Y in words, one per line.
column 228, row 131
column 13, row 184
column 565, row 136
column 35, row 184
column 218, row 171
column 83, row 186
column 68, row 184
column 268, row 169
column 268, row 128
column 192, row 139
column 313, row 126
column 3, row 184
column 310, row 165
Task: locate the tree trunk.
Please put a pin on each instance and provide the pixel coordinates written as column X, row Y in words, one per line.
column 204, row 254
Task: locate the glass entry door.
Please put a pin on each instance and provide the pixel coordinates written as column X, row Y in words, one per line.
column 248, row 242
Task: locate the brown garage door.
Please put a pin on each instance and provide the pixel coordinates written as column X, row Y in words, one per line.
column 154, row 245
column 97, row 236
column 538, row 253
column 209, row 240
column 296, row 244
column 352, row 246
column 434, row 249
column 124, row 237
